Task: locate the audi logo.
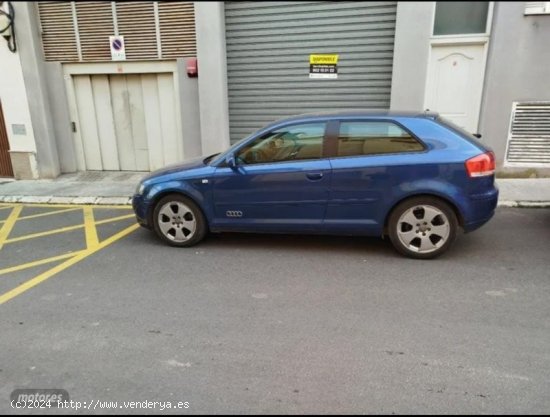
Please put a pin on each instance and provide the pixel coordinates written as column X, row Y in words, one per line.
column 234, row 213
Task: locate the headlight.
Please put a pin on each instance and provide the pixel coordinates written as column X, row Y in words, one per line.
column 140, row 188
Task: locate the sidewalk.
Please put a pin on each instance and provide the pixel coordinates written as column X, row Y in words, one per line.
column 521, row 192
column 91, row 187
column 113, row 188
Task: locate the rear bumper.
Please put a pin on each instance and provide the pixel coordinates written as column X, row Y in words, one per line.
column 481, row 208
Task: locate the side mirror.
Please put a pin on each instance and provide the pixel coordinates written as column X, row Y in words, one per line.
column 477, row 135
column 230, row 161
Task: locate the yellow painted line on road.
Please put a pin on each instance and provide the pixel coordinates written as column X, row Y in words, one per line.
column 5, row 207
column 65, row 229
column 47, row 233
column 61, row 267
column 95, row 206
column 8, row 224
column 89, row 226
column 49, row 213
column 38, row 263
column 114, row 219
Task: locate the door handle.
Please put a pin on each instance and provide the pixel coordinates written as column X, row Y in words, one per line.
column 314, row 176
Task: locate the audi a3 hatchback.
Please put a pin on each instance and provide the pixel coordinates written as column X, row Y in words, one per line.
column 415, row 178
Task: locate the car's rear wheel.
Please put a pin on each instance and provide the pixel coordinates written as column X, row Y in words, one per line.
column 422, row 227
column 179, row 221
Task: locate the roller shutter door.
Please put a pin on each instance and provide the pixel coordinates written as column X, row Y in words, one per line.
column 268, row 48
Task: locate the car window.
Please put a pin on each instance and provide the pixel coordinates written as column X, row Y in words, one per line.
column 457, row 129
column 371, row 138
column 296, row 142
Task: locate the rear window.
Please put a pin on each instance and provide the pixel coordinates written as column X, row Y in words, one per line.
column 464, row 133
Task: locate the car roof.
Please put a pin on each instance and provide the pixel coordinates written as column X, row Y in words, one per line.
column 371, row 113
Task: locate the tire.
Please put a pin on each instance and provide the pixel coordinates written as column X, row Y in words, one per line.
column 422, row 227
column 178, row 221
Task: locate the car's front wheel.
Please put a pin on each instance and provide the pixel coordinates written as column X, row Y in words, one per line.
column 178, row 221
column 422, row 227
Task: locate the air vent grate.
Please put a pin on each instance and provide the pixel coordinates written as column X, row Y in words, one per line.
column 529, row 137
column 79, row 31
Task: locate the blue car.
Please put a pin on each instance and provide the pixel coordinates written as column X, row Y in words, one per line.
column 414, row 177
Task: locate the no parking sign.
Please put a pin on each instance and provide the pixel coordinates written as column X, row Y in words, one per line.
column 118, row 52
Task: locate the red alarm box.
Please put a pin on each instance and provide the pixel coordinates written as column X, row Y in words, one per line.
column 192, row 69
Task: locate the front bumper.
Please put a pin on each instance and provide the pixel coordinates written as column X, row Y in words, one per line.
column 140, row 206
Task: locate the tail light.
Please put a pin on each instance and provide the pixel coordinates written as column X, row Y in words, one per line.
column 481, row 165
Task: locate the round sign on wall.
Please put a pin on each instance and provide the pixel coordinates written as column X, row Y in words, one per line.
column 118, row 52
column 117, row 44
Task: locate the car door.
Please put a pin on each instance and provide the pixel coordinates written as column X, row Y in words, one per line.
column 369, row 158
column 280, row 182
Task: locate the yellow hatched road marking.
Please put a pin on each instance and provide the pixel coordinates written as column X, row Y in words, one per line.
column 37, row 263
column 49, row 232
column 56, row 269
column 65, row 229
column 5, row 207
column 89, row 226
column 114, row 219
column 49, row 213
column 96, row 207
column 8, row 224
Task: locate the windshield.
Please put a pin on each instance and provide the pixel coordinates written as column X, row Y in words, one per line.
column 214, row 159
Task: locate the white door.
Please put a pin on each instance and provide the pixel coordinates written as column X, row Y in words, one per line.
column 455, row 82
column 126, row 122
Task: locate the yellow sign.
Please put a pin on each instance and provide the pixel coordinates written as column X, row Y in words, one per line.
column 323, row 66
column 323, row 59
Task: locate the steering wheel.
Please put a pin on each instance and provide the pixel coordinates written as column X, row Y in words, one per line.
column 295, row 146
column 260, row 155
column 254, row 156
column 293, row 137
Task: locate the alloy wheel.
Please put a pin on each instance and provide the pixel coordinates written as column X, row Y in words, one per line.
column 176, row 221
column 423, row 229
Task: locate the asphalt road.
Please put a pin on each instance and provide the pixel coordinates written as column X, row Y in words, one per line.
column 282, row 324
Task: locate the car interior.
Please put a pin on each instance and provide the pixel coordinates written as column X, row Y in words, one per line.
column 350, row 146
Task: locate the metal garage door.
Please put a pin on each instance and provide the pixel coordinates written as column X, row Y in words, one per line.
column 268, row 48
column 126, row 122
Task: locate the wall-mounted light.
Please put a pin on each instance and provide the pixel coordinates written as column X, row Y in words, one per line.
column 7, row 25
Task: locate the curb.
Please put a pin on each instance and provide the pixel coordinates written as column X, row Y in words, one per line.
column 110, row 201
column 524, row 204
column 127, row 201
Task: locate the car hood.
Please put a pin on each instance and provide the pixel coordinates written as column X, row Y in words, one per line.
column 174, row 168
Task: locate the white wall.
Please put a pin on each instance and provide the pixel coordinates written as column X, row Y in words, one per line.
column 211, row 55
column 413, row 30
column 14, row 100
column 36, row 84
column 518, row 69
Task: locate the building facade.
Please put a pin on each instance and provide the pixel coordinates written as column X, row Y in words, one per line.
column 134, row 86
